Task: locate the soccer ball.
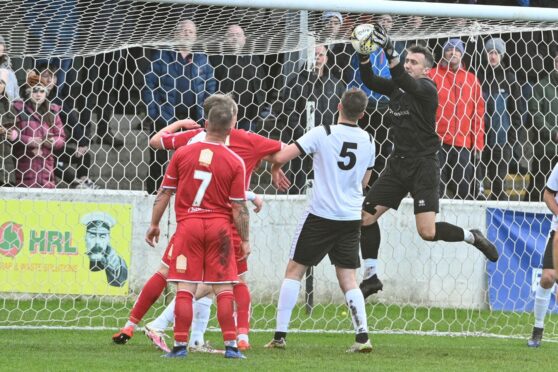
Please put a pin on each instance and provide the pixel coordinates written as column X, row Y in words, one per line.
column 362, row 40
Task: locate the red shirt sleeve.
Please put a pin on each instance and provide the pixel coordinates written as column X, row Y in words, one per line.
column 173, row 141
column 238, row 187
column 263, row 145
column 170, row 181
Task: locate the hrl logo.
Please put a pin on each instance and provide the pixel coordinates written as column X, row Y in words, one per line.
column 11, row 239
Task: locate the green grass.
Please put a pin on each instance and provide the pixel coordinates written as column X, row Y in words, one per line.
column 61, row 350
column 381, row 317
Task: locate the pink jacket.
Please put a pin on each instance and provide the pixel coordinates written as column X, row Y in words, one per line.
column 460, row 116
column 35, row 164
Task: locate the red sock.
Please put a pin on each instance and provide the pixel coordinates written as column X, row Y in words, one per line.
column 183, row 314
column 149, row 294
column 225, row 310
column 242, row 299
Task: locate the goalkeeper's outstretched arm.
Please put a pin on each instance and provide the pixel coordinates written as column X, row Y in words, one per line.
column 373, row 82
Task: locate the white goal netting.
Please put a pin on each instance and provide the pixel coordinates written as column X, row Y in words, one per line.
column 119, row 71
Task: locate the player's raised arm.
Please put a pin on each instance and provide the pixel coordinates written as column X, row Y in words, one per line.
column 279, row 159
column 184, row 124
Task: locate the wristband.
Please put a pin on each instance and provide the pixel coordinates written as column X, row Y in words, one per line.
column 250, row 195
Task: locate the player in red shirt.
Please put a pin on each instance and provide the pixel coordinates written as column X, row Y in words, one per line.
column 252, row 148
column 209, row 180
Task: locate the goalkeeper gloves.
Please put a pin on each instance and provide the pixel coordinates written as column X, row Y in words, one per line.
column 381, row 38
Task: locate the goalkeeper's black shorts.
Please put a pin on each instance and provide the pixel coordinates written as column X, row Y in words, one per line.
column 402, row 175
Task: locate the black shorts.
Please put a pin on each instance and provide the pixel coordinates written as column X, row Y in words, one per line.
column 418, row 176
column 547, row 258
column 317, row 236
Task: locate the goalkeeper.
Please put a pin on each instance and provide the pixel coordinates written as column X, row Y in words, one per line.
column 412, row 166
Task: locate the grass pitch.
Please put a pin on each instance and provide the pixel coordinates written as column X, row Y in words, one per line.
column 61, row 350
column 93, row 350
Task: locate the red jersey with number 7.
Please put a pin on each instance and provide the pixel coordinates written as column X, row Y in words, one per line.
column 251, row 147
column 206, row 177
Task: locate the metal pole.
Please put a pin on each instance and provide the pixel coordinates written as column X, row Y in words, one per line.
column 426, row 9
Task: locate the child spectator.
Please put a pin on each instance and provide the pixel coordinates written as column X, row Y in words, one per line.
column 39, row 132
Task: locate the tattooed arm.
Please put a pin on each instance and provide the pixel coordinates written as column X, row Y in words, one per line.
column 159, row 206
column 241, row 218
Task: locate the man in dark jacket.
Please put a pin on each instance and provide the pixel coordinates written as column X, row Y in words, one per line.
column 314, row 92
column 176, row 87
column 504, row 105
column 242, row 75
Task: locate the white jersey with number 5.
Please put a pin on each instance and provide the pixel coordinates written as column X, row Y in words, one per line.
column 552, row 184
column 342, row 155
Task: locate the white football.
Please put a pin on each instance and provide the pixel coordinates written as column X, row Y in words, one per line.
column 361, row 38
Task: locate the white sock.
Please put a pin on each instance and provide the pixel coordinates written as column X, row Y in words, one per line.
column 468, row 236
column 369, row 267
column 242, row 337
column 287, row 301
column 355, row 302
column 231, row 343
column 202, row 311
column 165, row 318
column 542, row 300
column 129, row 323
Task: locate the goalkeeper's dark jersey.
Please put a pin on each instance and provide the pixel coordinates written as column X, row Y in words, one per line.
column 412, row 111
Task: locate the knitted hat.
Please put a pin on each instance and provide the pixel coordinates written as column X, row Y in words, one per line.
column 327, row 15
column 33, row 79
column 496, row 44
column 454, row 44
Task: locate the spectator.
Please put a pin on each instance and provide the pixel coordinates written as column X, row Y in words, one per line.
column 459, row 120
column 339, row 53
column 76, row 150
column 504, row 106
column 543, row 107
column 7, row 74
column 412, row 26
column 176, row 87
column 240, row 74
column 324, row 90
column 373, row 121
column 39, row 132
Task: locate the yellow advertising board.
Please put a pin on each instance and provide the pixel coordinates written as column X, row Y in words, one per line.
column 65, row 247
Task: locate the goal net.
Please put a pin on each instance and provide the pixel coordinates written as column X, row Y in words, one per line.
column 79, row 176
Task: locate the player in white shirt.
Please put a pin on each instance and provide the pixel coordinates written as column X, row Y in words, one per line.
column 548, row 277
column 343, row 159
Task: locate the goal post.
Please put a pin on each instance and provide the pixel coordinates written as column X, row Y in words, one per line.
column 116, row 88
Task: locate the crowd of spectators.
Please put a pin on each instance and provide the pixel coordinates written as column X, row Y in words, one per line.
column 492, row 102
